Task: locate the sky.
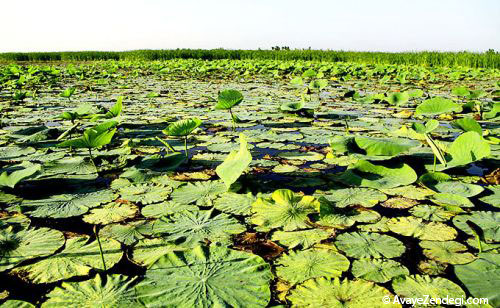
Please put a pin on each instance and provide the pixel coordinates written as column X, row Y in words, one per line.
column 362, row 25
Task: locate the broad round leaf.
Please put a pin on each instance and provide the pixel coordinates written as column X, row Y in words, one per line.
column 365, row 245
column 206, row 277
column 228, row 99
column 182, row 127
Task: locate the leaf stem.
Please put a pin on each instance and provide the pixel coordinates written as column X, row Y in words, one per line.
column 100, row 247
column 232, row 119
column 186, row 146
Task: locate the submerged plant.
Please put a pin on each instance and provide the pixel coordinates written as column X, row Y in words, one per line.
column 227, row 100
column 183, row 128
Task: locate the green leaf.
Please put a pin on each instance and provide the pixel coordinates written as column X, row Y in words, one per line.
column 377, row 270
column 369, row 245
column 493, row 199
column 192, row 228
column 458, row 188
column 128, row 233
column 148, row 251
column 421, row 286
column 319, row 84
column 112, row 292
column 94, row 137
column 283, row 210
column 206, row 277
column 235, row 163
column 110, row 213
column 415, row 227
column 365, row 197
column 446, row 199
column 323, row 292
column 495, row 110
column 427, row 128
column 227, row 99
column 460, row 91
column 366, row 174
column 78, row 258
column 398, row 98
column 467, row 125
column 166, row 208
column 145, row 193
column 233, row 203
column 467, row 148
column 482, row 277
column 26, row 244
column 297, row 267
column 384, row 147
column 64, row 206
column 447, row 252
column 202, row 193
column 488, row 223
column 182, row 127
column 431, row 213
column 302, row 238
column 11, row 180
column 342, row 218
column 436, row 106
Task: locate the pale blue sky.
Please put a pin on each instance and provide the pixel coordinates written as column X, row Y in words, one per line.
column 374, row 25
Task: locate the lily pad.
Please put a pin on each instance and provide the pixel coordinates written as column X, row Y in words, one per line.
column 114, row 291
column 369, row 245
column 487, row 222
column 233, row 203
column 421, row 286
column 302, row 238
column 297, row 267
column 145, row 194
column 323, row 292
column 447, row 252
column 377, row 270
column 191, row 228
column 482, row 277
column 283, row 210
column 110, row 213
column 78, row 258
column 436, row 106
column 366, row 174
column 416, row 227
column 201, row 193
column 26, row 244
column 365, row 197
column 206, row 277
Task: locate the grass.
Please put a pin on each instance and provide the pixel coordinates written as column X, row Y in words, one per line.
column 489, row 59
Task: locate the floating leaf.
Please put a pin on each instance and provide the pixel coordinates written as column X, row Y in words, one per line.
column 148, row 251
column 415, row 227
column 445, row 199
column 366, row 174
column 145, row 193
column 436, row 106
column 447, row 252
column 303, row 238
column 488, row 222
column 166, row 208
column 11, row 180
column 341, row 218
column 283, row 210
column 110, row 213
column 323, row 292
column 482, row 277
column 26, row 244
column 378, row 270
column 114, row 292
column 127, row 233
column 432, row 213
column 421, row 286
column 203, row 193
column 204, row 277
column 78, row 258
column 365, row 197
column 191, row 228
column 365, row 245
column 237, row 204
column 384, row 147
column 297, row 267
